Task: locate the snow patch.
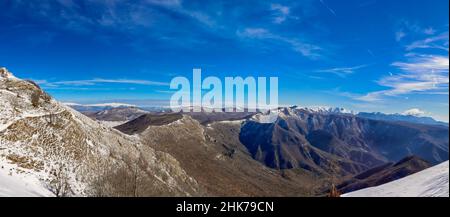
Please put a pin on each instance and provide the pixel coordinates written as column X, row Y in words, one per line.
column 432, row 182
column 112, row 123
column 327, row 109
column 13, row 184
column 270, row 117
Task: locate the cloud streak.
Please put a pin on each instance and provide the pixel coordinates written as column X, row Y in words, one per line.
column 328, row 8
column 423, row 74
column 96, row 81
column 304, row 48
column 343, row 71
column 399, row 35
column 438, row 42
column 281, row 13
column 419, row 73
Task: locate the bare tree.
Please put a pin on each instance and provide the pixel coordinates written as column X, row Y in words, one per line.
column 60, row 183
column 135, row 180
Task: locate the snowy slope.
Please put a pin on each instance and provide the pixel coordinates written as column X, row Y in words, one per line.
column 21, row 185
column 70, row 154
column 265, row 118
column 432, row 182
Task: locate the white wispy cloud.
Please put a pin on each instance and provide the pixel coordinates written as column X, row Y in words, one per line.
column 418, row 73
column 422, row 65
column 124, row 16
column 414, row 112
column 258, row 33
column 176, row 6
column 343, row 71
column 328, row 8
column 304, row 48
column 96, row 81
column 281, row 13
column 422, row 74
column 439, row 42
column 429, row 31
column 407, row 28
column 369, row 97
column 399, row 35
column 167, row 3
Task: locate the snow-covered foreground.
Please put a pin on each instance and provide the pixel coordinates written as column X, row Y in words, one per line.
column 432, row 182
column 21, row 185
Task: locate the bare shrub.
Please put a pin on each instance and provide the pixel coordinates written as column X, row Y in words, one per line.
column 60, row 183
column 118, row 182
column 35, row 97
column 33, row 83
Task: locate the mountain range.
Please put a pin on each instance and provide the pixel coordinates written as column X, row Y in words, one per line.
column 289, row 151
column 316, row 141
column 401, row 118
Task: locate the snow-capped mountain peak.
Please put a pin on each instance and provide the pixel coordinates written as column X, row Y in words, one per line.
column 326, row 109
column 272, row 116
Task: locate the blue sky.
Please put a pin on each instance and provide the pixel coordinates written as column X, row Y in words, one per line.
column 364, row 55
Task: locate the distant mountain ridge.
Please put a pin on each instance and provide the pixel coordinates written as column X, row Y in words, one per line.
column 117, row 114
column 91, row 108
column 401, row 117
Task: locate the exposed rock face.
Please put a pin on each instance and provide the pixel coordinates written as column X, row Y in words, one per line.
column 278, row 147
column 73, row 155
